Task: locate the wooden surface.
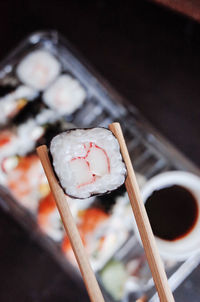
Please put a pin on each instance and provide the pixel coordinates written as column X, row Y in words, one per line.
column 190, row 8
column 88, row 275
column 151, row 56
column 149, row 244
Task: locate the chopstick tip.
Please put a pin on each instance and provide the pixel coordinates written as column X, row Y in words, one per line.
column 114, row 124
column 41, row 149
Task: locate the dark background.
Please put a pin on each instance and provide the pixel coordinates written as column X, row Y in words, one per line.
column 151, row 56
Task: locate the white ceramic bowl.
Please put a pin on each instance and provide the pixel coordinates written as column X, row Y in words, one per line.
column 182, row 248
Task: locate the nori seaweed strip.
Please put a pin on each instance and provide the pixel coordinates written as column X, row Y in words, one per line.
column 6, row 89
column 31, row 109
column 107, row 201
column 8, row 84
column 51, row 131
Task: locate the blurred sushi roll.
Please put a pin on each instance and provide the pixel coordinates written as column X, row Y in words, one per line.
column 122, row 277
column 28, row 135
column 46, row 116
column 23, row 138
column 49, row 218
column 7, row 140
column 35, row 129
column 67, row 249
column 115, row 232
column 90, row 219
column 8, row 144
column 52, row 127
column 16, row 142
column 114, row 278
column 77, row 206
column 93, row 226
column 139, row 275
column 38, row 69
column 102, row 233
column 20, row 140
column 89, row 223
column 87, row 162
column 65, row 95
column 12, row 103
column 30, row 111
column 24, row 178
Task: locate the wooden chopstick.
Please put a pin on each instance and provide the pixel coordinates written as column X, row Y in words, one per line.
column 148, row 240
column 142, row 299
column 89, row 278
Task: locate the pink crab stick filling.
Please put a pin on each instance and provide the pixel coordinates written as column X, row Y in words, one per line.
column 93, row 165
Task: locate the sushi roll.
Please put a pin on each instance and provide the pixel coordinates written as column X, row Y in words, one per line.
column 16, row 142
column 49, row 218
column 31, row 110
column 20, row 140
column 114, row 278
column 115, row 232
column 65, row 95
column 8, row 139
column 8, row 145
column 89, row 222
column 8, row 84
column 111, row 234
column 67, row 249
column 87, row 162
column 12, row 103
column 38, row 69
column 25, row 178
column 28, row 134
column 35, row 128
column 46, row 116
column 8, row 142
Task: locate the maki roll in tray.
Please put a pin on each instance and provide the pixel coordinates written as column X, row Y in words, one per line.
column 90, row 222
column 48, row 216
column 49, row 219
column 65, row 95
column 87, row 162
column 14, row 101
column 25, row 179
column 38, row 69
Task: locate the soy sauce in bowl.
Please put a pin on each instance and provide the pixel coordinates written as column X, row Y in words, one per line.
column 172, row 211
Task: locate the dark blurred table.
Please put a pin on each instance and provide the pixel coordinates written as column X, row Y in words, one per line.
column 152, row 57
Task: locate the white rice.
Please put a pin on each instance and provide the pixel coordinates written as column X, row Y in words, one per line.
column 54, row 227
column 65, row 95
column 46, row 116
column 28, row 133
column 38, row 69
column 8, row 103
column 68, row 145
